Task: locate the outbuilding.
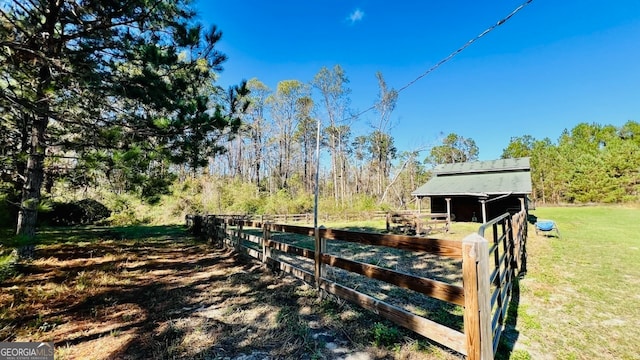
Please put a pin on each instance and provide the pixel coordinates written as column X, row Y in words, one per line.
column 478, row 191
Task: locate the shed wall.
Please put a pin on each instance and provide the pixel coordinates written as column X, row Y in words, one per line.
column 465, row 207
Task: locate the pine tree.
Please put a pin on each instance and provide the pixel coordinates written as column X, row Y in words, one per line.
column 113, row 83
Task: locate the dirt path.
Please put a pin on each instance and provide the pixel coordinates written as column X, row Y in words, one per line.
column 159, row 298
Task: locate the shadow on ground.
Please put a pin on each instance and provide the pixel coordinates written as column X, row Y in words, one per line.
column 152, row 292
column 136, row 292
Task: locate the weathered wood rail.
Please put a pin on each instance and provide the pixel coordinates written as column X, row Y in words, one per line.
column 488, row 272
column 417, row 223
column 338, row 216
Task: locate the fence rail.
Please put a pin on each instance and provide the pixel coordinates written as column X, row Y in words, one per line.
column 417, row 223
column 508, row 252
column 337, row 216
column 488, row 271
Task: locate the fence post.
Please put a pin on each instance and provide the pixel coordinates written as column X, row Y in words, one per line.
column 266, row 236
column 320, row 248
column 197, row 225
column 477, row 298
column 515, row 242
column 206, row 231
column 522, row 242
column 224, row 231
column 388, row 221
column 214, row 231
column 238, row 244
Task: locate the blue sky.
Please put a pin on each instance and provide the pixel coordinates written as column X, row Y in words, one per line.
column 553, row 65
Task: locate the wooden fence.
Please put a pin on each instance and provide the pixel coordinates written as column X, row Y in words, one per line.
column 337, row 216
column 484, row 295
column 508, row 259
column 417, row 223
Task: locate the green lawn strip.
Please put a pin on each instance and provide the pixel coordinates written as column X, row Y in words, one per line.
column 581, row 289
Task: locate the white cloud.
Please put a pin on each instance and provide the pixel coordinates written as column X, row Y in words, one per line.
column 356, row 16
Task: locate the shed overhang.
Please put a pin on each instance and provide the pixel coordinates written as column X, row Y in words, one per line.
column 477, row 185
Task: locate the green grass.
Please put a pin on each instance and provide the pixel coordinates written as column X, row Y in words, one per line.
column 7, row 269
column 580, row 299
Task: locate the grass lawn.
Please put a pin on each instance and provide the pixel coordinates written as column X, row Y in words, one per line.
column 581, row 296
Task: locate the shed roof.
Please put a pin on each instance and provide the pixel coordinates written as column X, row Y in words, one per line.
column 502, row 165
column 482, row 178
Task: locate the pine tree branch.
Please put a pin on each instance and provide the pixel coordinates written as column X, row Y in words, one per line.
column 105, row 24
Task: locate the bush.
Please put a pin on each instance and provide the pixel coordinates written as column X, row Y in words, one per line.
column 9, row 197
column 83, row 212
column 7, row 213
column 128, row 210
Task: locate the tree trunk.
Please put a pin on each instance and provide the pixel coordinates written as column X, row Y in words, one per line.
column 334, row 168
column 31, row 190
column 28, row 213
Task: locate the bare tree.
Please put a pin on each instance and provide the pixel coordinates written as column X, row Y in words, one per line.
column 334, row 98
column 284, row 112
column 256, row 127
column 305, row 136
column 381, row 141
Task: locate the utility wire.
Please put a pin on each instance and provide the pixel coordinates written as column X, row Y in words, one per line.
column 453, row 54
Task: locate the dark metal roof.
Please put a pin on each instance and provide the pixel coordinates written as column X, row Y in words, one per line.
column 517, row 164
column 482, row 178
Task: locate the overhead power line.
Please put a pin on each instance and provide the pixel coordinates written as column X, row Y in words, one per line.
column 453, row 54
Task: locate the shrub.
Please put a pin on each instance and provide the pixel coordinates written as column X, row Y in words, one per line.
column 7, row 213
column 83, row 212
column 127, row 210
column 9, row 198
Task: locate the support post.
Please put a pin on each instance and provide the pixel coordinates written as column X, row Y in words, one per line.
column 484, row 210
column 419, row 204
column 448, row 200
column 477, row 298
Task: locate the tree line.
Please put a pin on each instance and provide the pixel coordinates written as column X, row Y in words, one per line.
column 275, row 148
column 591, row 163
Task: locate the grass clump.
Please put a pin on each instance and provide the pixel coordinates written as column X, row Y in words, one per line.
column 8, row 266
column 384, row 335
